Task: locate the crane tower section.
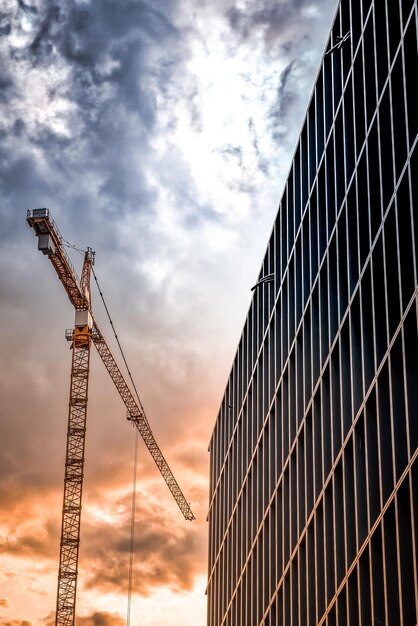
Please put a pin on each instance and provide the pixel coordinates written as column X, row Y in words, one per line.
column 74, row 472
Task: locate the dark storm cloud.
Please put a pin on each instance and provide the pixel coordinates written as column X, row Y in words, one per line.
column 120, row 36
column 19, row 177
column 85, row 34
column 6, row 81
column 114, row 59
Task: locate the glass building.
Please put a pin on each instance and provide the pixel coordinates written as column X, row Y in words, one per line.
column 313, row 513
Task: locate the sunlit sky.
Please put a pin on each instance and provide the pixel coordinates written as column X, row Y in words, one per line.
column 160, row 134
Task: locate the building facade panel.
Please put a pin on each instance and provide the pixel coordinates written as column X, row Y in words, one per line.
column 313, row 511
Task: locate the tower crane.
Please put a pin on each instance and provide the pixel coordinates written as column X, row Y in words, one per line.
column 85, row 332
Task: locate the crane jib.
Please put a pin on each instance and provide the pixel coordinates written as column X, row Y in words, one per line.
column 141, row 422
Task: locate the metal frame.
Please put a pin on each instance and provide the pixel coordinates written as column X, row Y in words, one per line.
column 73, row 480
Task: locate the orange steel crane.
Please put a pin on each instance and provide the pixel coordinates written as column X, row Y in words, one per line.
column 84, row 333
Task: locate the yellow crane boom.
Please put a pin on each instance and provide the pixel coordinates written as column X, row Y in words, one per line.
column 85, row 331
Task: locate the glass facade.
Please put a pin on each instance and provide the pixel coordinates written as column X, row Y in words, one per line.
column 313, row 512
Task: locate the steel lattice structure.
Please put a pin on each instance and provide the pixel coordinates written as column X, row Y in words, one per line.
column 137, row 416
column 73, row 480
column 85, row 331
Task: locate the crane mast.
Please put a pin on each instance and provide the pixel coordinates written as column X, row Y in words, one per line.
column 74, row 460
column 86, row 331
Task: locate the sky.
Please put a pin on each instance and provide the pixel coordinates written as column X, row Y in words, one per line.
column 159, row 133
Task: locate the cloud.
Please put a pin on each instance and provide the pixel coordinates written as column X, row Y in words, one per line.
column 283, row 24
column 4, row 602
column 101, row 619
column 84, row 90
column 97, row 618
column 293, row 34
column 36, row 539
column 165, row 554
column 169, row 552
column 15, row 622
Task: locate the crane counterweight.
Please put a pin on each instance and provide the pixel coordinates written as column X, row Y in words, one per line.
column 46, row 244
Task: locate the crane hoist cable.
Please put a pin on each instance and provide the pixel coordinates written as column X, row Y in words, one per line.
column 132, row 538
column 135, row 468
column 117, row 340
